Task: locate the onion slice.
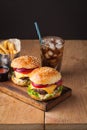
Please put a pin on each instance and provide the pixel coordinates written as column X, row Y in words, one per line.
column 59, row 83
column 22, row 70
column 39, row 85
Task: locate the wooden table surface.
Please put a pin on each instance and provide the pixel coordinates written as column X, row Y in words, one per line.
column 68, row 115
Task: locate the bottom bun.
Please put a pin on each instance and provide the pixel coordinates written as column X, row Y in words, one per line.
column 20, row 82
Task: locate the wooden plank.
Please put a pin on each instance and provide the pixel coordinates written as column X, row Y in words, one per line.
column 22, row 127
column 21, row 94
column 14, row 112
column 70, row 114
column 66, row 127
column 30, row 47
column 18, row 115
column 73, row 112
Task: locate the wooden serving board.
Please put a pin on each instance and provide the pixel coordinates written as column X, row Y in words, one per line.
column 21, row 94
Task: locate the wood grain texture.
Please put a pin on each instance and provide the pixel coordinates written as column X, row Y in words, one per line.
column 72, row 112
column 13, row 111
column 30, row 47
column 21, row 93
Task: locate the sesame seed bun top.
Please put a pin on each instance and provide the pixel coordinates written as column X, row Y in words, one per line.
column 28, row 62
column 45, row 75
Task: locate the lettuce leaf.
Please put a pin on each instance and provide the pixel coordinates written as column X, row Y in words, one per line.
column 32, row 92
column 60, row 89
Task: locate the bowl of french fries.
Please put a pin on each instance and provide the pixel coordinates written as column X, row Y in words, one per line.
column 9, row 49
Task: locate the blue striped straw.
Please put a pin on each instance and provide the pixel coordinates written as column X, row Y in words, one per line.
column 38, row 32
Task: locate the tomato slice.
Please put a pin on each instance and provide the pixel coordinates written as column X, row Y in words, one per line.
column 39, row 85
column 43, row 86
column 23, row 70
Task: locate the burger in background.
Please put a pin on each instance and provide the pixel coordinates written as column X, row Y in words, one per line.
column 22, row 67
column 45, row 84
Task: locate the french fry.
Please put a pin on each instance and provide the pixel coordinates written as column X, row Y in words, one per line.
column 11, row 54
column 7, row 47
column 14, row 51
column 5, row 44
column 11, row 46
column 3, row 49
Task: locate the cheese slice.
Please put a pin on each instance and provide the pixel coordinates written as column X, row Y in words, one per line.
column 50, row 89
column 20, row 75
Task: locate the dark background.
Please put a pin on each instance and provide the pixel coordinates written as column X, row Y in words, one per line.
column 65, row 18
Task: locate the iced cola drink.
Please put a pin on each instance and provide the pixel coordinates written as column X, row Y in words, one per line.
column 52, row 52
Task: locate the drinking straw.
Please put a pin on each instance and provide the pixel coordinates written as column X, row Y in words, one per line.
column 38, row 32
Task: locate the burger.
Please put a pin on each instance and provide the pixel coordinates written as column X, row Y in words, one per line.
column 21, row 69
column 45, row 84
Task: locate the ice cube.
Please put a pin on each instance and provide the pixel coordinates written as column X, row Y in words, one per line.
column 50, row 53
column 58, row 46
column 58, row 42
column 51, row 39
column 47, row 55
column 51, row 45
column 55, row 55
